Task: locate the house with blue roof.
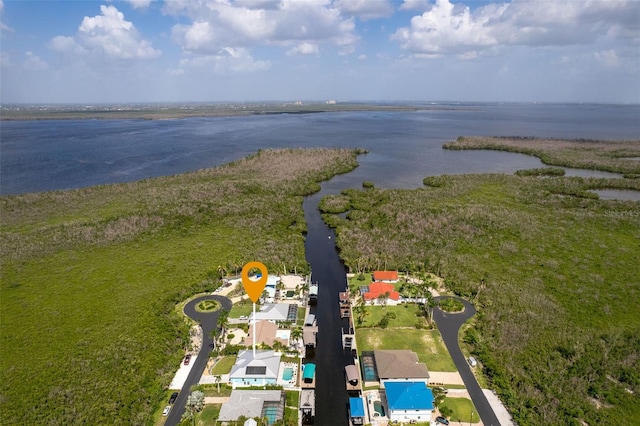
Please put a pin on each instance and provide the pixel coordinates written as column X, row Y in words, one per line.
column 409, row 401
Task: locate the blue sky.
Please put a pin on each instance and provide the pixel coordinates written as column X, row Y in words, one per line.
column 251, row 50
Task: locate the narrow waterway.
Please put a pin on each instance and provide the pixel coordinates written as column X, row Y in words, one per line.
column 329, row 272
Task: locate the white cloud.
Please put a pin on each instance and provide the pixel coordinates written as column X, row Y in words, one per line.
column 217, row 24
column 420, row 5
column 304, row 49
column 139, row 4
column 224, row 62
column 34, row 62
column 455, row 29
column 107, row 36
column 3, row 26
column 365, row 9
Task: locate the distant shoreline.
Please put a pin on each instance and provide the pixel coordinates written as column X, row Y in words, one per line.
column 153, row 112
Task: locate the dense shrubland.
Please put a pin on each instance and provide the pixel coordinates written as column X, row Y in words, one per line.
column 553, row 270
column 91, row 277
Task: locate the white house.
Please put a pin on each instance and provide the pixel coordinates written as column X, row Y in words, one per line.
column 409, row 402
column 259, row 371
column 277, row 312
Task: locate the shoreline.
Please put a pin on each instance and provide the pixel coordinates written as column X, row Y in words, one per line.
column 153, row 112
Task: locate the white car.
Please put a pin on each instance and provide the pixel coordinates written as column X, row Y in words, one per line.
column 472, row 361
column 166, row 410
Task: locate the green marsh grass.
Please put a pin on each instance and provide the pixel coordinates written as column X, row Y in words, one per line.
column 552, row 269
column 91, row 278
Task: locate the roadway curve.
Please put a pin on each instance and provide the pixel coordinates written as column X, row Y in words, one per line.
column 208, row 322
column 449, row 324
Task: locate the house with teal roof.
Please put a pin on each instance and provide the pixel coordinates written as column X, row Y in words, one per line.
column 409, row 401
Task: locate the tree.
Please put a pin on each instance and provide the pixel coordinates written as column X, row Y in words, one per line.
column 195, row 404
column 218, row 380
column 296, row 333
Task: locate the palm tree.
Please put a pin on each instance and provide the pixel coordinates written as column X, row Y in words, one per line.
column 218, row 380
column 296, row 333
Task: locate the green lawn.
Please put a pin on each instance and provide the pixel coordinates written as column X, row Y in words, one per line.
column 462, row 409
column 242, row 308
column 355, row 282
column 427, row 344
column 406, row 315
column 293, row 398
column 208, row 415
column 223, row 366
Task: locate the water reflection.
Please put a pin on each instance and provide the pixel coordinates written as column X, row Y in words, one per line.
column 618, row 194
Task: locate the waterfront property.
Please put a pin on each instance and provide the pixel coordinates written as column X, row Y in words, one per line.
column 409, row 401
column 399, row 366
column 276, row 312
column 259, row 371
column 260, row 404
column 380, row 292
column 267, row 332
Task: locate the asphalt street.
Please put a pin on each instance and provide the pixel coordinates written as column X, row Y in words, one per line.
column 449, row 324
column 208, row 322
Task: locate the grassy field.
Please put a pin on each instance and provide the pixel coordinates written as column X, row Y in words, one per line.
column 462, row 410
column 427, row 344
column 223, row 366
column 91, row 277
column 552, row 269
column 406, row 315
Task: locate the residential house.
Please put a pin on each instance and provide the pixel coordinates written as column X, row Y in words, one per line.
column 261, row 404
column 267, row 332
column 385, row 276
column 409, row 402
column 259, row 371
column 399, row 366
column 277, row 312
column 374, row 291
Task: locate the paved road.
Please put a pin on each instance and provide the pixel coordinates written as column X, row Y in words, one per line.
column 449, row 324
column 208, row 323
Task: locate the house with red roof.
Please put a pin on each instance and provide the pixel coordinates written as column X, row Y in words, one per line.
column 385, row 276
column 374, row 290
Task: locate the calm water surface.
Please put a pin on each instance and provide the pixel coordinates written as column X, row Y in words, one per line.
column 404, row 147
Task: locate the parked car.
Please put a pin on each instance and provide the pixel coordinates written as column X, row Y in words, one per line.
column 187, row 359
column 243, row 317
column 442, row 420
column 472, row 361
column 173, row 397
column 166, row 410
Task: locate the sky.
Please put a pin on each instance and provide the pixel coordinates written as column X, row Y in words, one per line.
column 316, row 50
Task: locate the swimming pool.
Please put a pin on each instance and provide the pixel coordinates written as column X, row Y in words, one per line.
column 379, row 409
column 287, row 374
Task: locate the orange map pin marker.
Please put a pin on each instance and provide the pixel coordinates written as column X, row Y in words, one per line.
column 254, row 288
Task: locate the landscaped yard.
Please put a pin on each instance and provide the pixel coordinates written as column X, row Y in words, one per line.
column 243, row 308
column 427, row 344
column 355, row 282
column 462, row 409
column 224, row 365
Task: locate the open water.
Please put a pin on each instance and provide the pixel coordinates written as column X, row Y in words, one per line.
column 404, row 147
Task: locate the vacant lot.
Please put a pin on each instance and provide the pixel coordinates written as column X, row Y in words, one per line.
column 426, row 343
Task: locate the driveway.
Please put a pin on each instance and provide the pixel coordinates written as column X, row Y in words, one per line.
column 208, row 322
column 449, row 324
